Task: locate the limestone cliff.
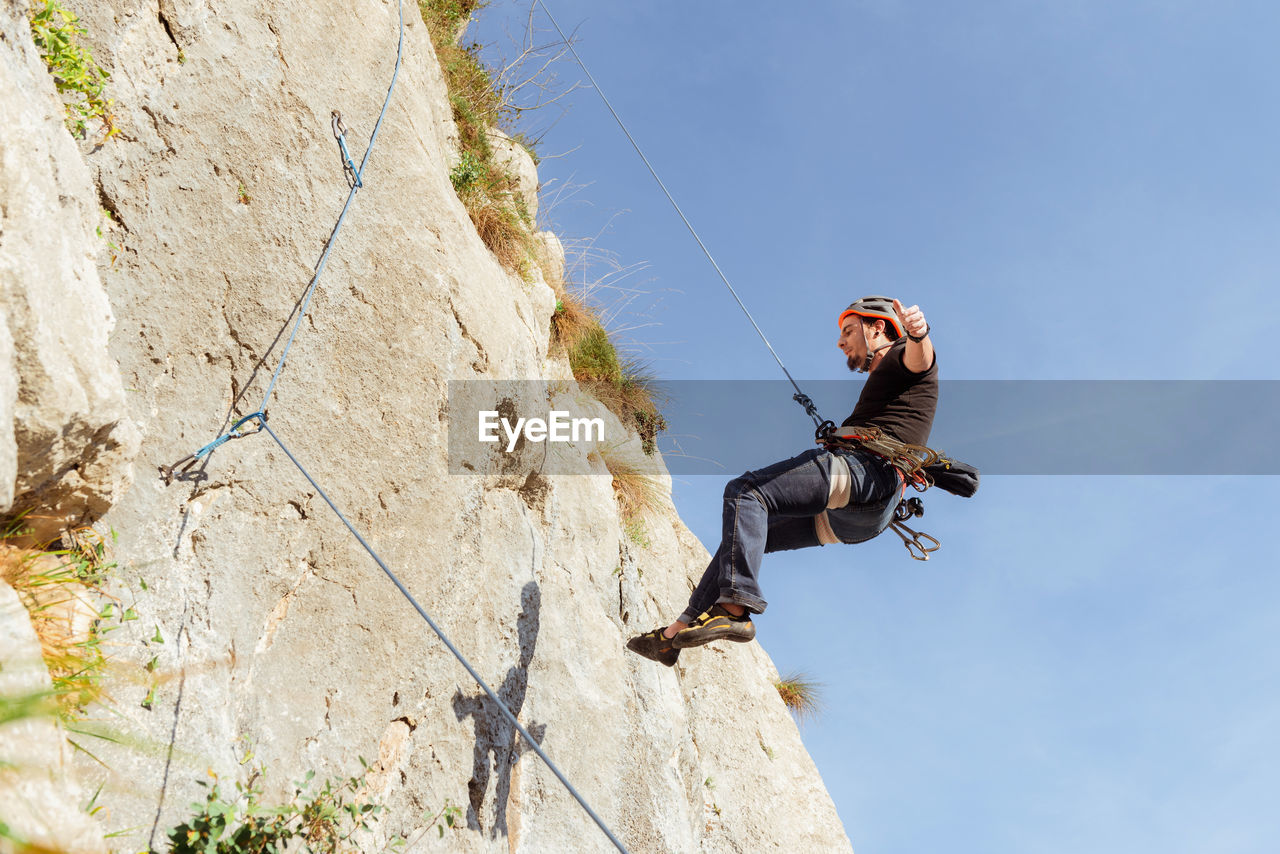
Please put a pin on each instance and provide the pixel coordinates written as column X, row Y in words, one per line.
column 224, row 183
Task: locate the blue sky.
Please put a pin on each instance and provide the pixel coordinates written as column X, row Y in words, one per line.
column 1083, row 190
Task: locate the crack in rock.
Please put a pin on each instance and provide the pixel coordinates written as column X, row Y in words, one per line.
column 280, row 611
column 481, row 362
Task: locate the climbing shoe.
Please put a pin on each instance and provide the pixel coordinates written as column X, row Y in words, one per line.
column 655, row 647
column 713, row 625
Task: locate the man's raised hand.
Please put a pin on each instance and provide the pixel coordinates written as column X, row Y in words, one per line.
column 913, row 322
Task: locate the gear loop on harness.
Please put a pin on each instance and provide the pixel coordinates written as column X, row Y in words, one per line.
column 910, row 460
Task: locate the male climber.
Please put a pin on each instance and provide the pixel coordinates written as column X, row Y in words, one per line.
column 820, row 496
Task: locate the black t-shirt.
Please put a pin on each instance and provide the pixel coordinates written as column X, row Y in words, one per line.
column 899, row 402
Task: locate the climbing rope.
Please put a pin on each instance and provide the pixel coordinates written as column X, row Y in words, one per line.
column 799, row 397
column 909, row 460
column 484, row 686
column 356, row 182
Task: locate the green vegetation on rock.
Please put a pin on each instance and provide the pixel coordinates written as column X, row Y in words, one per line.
column 488, row 190
column 80, row 80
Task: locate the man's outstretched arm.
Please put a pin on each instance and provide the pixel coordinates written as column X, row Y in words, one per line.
column 918, row 357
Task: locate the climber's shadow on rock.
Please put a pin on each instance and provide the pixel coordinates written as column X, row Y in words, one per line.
column 495, row 736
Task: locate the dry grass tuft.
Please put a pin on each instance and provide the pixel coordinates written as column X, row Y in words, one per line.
column 626, row 386
column 58, row 587
column 500, row 228
column 572, row 320
column 801, row 695
column 637, row 492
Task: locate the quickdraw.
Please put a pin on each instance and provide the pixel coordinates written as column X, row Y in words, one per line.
column 348, row 165
column 916, row 547
column 181, row 470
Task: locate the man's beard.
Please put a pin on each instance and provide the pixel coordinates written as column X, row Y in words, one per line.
column 854, row 364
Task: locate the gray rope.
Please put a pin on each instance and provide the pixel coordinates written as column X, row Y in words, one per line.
column 502, row 707
column 800, row 397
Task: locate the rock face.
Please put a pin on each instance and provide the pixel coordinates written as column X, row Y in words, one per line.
column 65, row 443
column 268, row 623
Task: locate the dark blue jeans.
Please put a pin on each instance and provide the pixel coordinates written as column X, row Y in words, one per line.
column 772, row 509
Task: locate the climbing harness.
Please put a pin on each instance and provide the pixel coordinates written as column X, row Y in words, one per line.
column 182, row 468
column 910, row 461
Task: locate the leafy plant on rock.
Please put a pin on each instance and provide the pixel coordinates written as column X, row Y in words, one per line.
column 80, row 80
column 239, row 823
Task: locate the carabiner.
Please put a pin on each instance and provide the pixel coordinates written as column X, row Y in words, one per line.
column 915, row 547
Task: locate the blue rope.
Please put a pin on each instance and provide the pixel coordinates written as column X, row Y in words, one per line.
column 800, row 397
column 502, row 707
column 355, row 187
column 357, row 184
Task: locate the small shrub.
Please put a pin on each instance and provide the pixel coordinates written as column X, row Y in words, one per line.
column 593, row 358
column 640, row 402
column 239, row 822
column 632, row 394
column 649, row 424
column 468, row 173
column 627, row 387
column 800, row 694
column 80, row 80
column 487, row 190
column 446, row 19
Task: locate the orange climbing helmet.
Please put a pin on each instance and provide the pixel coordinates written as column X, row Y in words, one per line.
column 876, row 308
